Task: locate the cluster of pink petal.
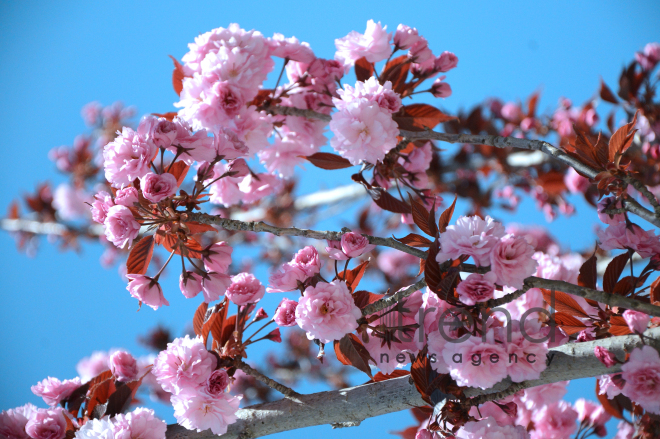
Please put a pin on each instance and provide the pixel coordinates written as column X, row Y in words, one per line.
column 373, row 45
column 477, row 288
column 123, row 366
column 470, row 236
column 70, row 202
column 305, row 264
column 53, row 391
column 245, row 289
column 327, row 311
column 46, row 424
column 642, row 376
column 13, row 421
column 141, row 423
column 629, row 236
column 554, row 421
column 285, row 314
column 566, row 116
column 147, row 290
column 351, row 245
column 241, row 185
column 488, row 428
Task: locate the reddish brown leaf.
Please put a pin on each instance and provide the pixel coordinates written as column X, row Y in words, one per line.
column 622, row 139
column 177, row 76
column 422, row 265
column 198, row 319
column 613, row 271
column 419, row 117
column 196, row 227
column 618, row 326
column 351, row 351
column 420, row 216
column 552, row 182
column 606, row 94
column 415, row 240
column 386, row 201
column 121, row 399
column 408, row 433
column 423, row 375
column 588, row 273
column 363, row 69
column 609, row 405
column 169, row 115
column 447, row 285
column 396, row 71
column 655, row 292
column 432, row 273
column 191, row 247
column 354, row 276
column 380, row 376
column 179, row 170
column 363, row 298
column 326, row 160
column 100, row 389
column 624, row 286
column 218, row 324
column 563, row 302
column 531, row 104
column 140, row 256
column 568, row 323
column 445, row 218
column 13, row 211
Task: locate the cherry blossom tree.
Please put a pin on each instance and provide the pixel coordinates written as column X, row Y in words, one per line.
column 481, row 324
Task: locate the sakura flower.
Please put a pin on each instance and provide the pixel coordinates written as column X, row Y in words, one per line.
column 590, row 413
column 286, row 278
column 245, row 289
column 610, row 385
column 307, row 260
column 374, row 45
column 604, row 356
column 217, row 383
column 46, row 424
column 157, row 130
column 576, row 183
column 190, row 284
column 97, row 429
column 215, row 285
column 489, row 429
column 290, row 48
column 554, row 421
column 511, row 260
column 526, row 357
column 405, row 36
column 127, row 196
column 203, row 412
column 476, row 363
column 147, row 290
column 642, row 375
column 123, row 366
column 476, row 288
column 351, row 245
column 620, row 235
column 285, row 314
column 470, row 236
column 100, row 206
column 218, row 257
column 141, row 423
column 184, row 367
column 327, row 311
column 127, row 157
column 70, row 203
column 53, row 391
column 157, row 187
column 608, row 203
column 446, row 62
column 637, row 321
column 441, row 89
column 13, row 421
column 120, row 226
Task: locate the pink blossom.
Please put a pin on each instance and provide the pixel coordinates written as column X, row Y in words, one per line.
column 476, row 288
column 281, row 158
column 526, row 357
column 390, row 356
column 254, row 188
column 218, row 257
column 274, row 335
column 97, row 429
column 100, row 206
column 405, row 36
column 89, row 367
column 637, row 321
column 120, row 226
column 123, row 366
column 470, row 236
column 286, row 278
column 290, row 48
column 307, row 260
column 215, row 285
column 12, row 422
column 395, row 263
column 374, row 45
column 46, row 424
column 489, row 429
column 590, row 413
column 446, row 62
column 285, row 314
column 147, row 290
column 624, row 430
column 192, row 147
column 642, row 375
column 91, row 113
column 245, row 289
column 604, row 356
column 184, row 367
column 190, row 284
column 217, row 383
column 141, row 423
column 260, row 315
column 157, row 130
column 127, row 157
column 610, row 385
column 127, row 196
column 620, row 235
column 419, row 159
column 327, row 311
column 70, row 203
column 440, row 89
column 157, row 187
column 576, row 183
column 554, row 421
column 608, row 203
column 649, row 57
column 202, row 411
column 511, row 260
column 476, row 363
column 420, row 52
column 372, row 91
column 363, row 131
column 227, row 145
column 351, row 245
column 53, row 391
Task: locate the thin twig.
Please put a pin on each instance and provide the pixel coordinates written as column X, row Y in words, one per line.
column 284, row 390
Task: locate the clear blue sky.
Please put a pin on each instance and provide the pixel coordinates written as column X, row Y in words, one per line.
column 55, row 57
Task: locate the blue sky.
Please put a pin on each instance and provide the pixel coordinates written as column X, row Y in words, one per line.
column 55, row 57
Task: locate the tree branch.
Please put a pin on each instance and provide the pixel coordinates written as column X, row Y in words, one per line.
column 284, row 390
column 353, row 405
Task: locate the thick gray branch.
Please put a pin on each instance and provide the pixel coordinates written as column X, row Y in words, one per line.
column 353, row 405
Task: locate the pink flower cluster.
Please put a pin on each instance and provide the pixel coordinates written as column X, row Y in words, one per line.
column 215, row 281
column 53, row 391
column 141, row 423
column 363, row 127
column 642, row 378
column 489, row 429
column 240, row 185
column 188, row 371
column 351, row 245
column 622, row 235
column 509, row 256
column 374, row 45
column 305, row 264
column 327, row 311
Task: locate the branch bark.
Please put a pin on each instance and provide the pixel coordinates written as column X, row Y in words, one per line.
column 355, row 404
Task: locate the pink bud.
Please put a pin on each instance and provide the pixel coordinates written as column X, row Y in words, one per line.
column 440, row 89
column 127, row 196
column 260, row 315
column 446, row 62
column 123, row 366
column 157, row 187
column 244, row 289
column 606, row 357
column 285, row 315
column 405, row 36
column 353, row 244
column 274, row 335
column 217, row 382
column 190, row 284
column 637, row 321
column 146, row 290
